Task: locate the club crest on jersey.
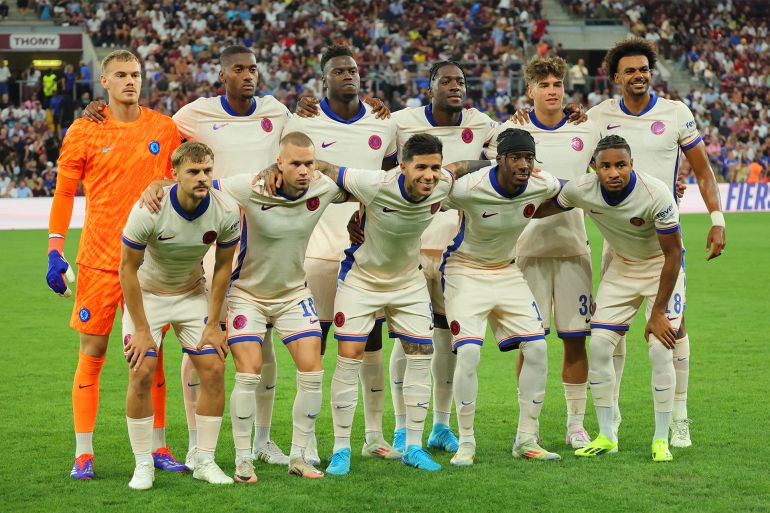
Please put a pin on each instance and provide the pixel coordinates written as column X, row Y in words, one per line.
column 239, row 322
column 339, row 319
column 435, row 208
column 529, row 210
column 454, row 327
column 209, row 237
column 313, row 204
column 467, row 136
column 375, row 142
column 84, row 314
column 637, row 221
column 154, row 147
column 577, row 144
column 267, row 125
column 658, row 127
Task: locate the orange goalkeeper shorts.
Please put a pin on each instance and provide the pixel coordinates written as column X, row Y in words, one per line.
column 97, row 297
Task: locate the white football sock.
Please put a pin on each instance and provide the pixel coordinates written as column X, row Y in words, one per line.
column 601, row 376
column 663, row 376
column 372, row 374
column 397, row 371
column 242, row 407
column 532, row 381
column 307, row 407
column 140, row 435
column 208, row 435
column 191, row 385
column 443, row 369
column 682, row 368
column 416, row 396
column 84, row 443
column 265, row 393
column 619, row 363
column 604, row 417
column 575, row 395
column 344, row 399
column 466, row 387
column 662, row 423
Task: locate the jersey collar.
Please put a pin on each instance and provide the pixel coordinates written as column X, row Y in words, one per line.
column 333, row 115
column 229, row 110
column 291, row 198
column 402, row 188
column 619, row 200
column 499, row 188
column 432, row 120
column 541, row 126
column 650, row 105
column 204, row 205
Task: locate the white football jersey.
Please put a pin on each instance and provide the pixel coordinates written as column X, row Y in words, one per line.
column 389, row 258
column 363, row 143
column 492, row 220
column 465, row 141
column 565, row 151
column 655, row 135
column 274, row 236
column 241, row 144
column 175, row 241
column 630, row 223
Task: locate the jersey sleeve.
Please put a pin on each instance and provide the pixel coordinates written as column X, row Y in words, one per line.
column 567, row 197
column 230, row 231
column 459, row 197
column 364, row 184
column 553, row 185
column 689, row 137
column 175, row 141
column 139, row 227
column 238, row 187
column 293, row 125
column 185, row 122
column 392, row 148
column 665, row 213
column 73, row 155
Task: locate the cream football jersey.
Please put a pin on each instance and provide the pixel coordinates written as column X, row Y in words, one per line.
column 274, row 235
column 393, row 224
column 465, row 141
column 362, row 143
column 241, row 144
column 565, row 151
column 655, row 135
column 629, row 223
column 492, row 220
column 175, row 241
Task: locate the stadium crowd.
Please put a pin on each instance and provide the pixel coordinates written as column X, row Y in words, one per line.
column 179, row 42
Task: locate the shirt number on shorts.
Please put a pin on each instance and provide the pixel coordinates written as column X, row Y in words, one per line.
column 677, row 304
column 537, row 311
column 585, row 304
column 307, row 311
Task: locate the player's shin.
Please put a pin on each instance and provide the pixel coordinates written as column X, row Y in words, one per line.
column 397, row 370
column 344, row 399
column 443, row 370
column 466, row 386
column 265, row 394
column 190, row 388
column 242, row 408
column 682, row 368
column 532, row 382
column 416, row 396
column 619, row 363
column 307, row 407
column 159, row 405
column 372, row 375
column 85, row 400
column 663, row 383
column 601, row 377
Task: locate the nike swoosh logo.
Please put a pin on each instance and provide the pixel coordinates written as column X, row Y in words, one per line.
column 313, row 321
column 595, row 382
column 595, row 212
column 160, row 385
column 217, row 127
column 338, row 407
column 105, row 150
column 313, row 415
column 672, row 318
column 487, row 214
column 388, row 210
column 161, row 237
column 268, row 207
column 398, row 382
column 269, row 387
column 243, row 418
column 422, row 405
column 326, row 145
column 376, row 389
column 537, row 402
column 86, row 386
column 466, row 403
column 662, row 389
column 612, row 127
column 680, row 359
column 193, row 384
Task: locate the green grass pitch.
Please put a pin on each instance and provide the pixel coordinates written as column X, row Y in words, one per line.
column 725, row 470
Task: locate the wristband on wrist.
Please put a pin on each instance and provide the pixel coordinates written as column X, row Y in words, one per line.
column 717, row 218
column 56, row 242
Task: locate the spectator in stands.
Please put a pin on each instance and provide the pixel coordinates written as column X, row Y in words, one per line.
column 31, row 77
column 50, row 79
column 5, row 76
column 578, row 75
column 21, row 190
column 5, row 183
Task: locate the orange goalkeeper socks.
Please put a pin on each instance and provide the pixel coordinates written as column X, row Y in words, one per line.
column 85, row 392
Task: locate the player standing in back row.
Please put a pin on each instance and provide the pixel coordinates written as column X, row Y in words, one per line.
column 657, row 129
column 116, row 161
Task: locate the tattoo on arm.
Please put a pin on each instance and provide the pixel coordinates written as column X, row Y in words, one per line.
column 418, row 349
column 329, row 170
column 463, row 167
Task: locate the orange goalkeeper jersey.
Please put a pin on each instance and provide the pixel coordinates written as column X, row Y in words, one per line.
column 116, row 162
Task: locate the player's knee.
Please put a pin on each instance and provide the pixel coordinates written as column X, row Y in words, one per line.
column 212, row 374
column 620, row 348
column 93, row 345
column 141, row 379
column 535, row 352
column 575, row 349
column 660, row 356
column 468, row 358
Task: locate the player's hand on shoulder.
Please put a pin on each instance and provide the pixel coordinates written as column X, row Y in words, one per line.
column 94, row 111
column 379, row 109
column 681, row 186
column 215, row 338
column 268, row 181
column 577, row 113
column 659, row 325
column 136, row 347
column 521, row 116
column 715, row 243
column 152, row 196
column 354, row 229
column 307, row 107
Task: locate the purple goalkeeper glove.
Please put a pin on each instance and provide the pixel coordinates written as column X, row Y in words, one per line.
column 57, row 268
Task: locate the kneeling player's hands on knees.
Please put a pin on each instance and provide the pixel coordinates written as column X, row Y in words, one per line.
column 152, row 196
column 715, row 243
column 379, row 109
column 659, row 325
column 214, row 337
column 268, row 181
column 136, row 347
column 355, row 232
column 94, row 111
column 307, row 107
